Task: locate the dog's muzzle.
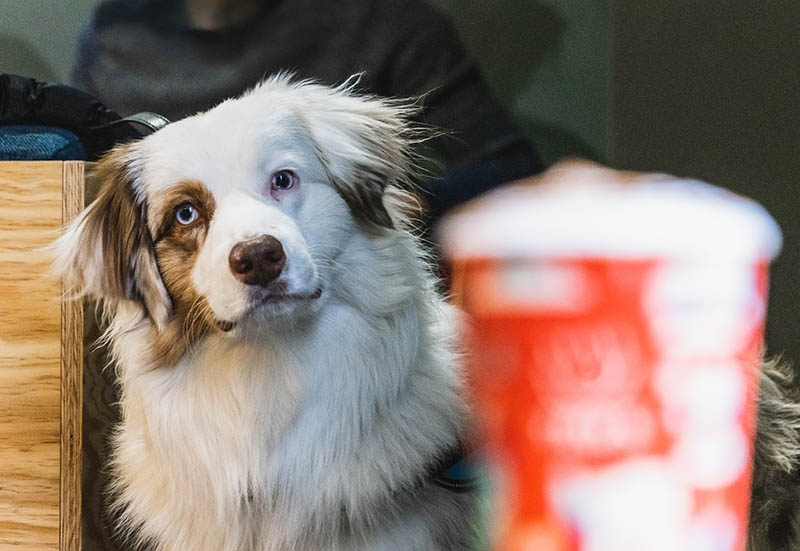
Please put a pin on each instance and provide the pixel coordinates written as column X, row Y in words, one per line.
column 257, row 261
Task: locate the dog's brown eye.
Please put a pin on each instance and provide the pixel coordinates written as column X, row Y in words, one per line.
column 185, row 214
column 283, row 180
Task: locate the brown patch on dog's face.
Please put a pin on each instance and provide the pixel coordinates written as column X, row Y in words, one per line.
column 366, row 199
column 114, row 257
column 177, row 245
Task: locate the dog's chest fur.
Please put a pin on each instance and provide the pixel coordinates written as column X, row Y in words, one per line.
column 290, row 442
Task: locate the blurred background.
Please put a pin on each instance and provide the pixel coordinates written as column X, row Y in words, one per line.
column 700, row 89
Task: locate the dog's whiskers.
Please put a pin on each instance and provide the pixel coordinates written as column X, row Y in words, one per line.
column 328, row 262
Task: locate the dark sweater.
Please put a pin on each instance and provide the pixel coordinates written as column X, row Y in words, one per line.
column 140, row 55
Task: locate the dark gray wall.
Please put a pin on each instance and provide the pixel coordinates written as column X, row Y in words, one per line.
column 712, row 90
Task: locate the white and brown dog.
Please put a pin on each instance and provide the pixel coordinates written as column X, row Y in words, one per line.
column 287, row 370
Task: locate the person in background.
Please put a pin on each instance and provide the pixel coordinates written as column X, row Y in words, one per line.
column 179, row 57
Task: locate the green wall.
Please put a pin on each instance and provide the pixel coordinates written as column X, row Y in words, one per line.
column 37, row 37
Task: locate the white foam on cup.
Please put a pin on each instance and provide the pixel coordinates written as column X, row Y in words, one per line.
column 587, row 211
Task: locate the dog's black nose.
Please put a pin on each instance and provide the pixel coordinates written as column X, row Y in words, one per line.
column 257, row 261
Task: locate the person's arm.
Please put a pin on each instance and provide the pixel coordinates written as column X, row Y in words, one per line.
column 460, row 184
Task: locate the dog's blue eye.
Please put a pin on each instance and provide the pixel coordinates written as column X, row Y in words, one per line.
column 186, row 214
column 283, row 179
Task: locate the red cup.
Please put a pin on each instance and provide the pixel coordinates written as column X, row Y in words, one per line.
column 614, row 331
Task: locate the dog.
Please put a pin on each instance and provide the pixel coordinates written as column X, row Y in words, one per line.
column 289, row 373
column 775, row 497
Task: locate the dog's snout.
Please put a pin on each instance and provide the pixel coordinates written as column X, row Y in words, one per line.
column 257, row 261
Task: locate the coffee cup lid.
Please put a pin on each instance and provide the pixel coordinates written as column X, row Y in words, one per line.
column 586, row 210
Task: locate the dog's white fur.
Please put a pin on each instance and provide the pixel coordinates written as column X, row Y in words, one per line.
column 312, row 423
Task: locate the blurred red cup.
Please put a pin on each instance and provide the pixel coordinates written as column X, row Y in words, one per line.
column 615, row 327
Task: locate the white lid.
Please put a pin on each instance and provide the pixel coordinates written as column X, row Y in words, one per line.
column 586, row 210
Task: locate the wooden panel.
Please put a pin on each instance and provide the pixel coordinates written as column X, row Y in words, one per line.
column 71, row 383
column 30, row 357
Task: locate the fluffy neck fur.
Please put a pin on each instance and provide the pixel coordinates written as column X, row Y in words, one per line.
column 270, row 469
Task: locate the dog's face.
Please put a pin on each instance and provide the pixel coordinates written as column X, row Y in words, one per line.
column 238, row 215
column 245, row 221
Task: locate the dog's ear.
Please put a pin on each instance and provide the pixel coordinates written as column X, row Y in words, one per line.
column 107, row 251
column 365, row 144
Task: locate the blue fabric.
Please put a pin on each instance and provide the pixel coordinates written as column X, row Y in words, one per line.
column 39, row 143
column 463, row 471
column 466, row 475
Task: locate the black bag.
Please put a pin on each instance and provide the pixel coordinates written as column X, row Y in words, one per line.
column 26, row 101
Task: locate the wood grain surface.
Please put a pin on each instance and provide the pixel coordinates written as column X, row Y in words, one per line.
column 71, row 382
column 31, row 364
